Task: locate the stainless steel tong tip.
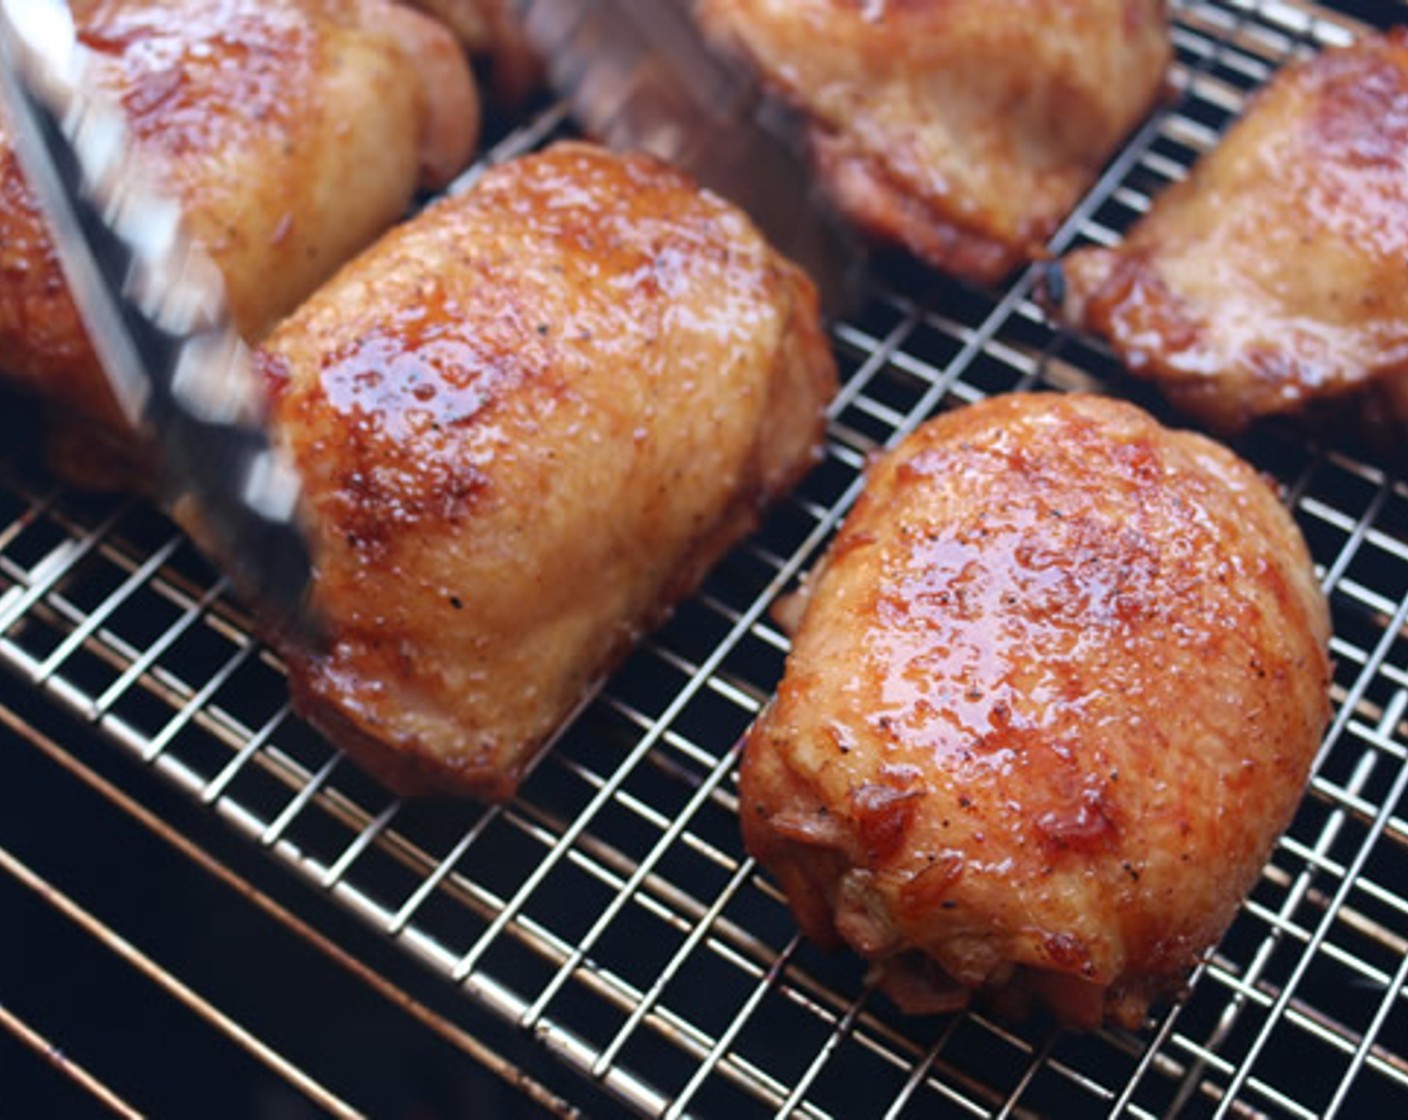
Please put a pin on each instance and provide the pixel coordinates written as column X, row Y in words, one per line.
column 155, row 308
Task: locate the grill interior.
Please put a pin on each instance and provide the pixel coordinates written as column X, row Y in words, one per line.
column 611, row 913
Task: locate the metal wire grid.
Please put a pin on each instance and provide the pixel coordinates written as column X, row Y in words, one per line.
column 611, row 910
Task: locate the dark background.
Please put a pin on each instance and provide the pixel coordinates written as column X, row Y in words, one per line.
column 156, row 1054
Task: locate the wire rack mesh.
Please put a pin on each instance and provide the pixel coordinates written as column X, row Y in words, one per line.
column 611, row 910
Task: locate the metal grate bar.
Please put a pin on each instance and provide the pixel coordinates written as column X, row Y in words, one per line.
column 96, row 618
column 44, row 575
column 648, row 741
column 54, row 1055
column 142, row 665
column 199, row 702
column 1246, row 986
column 1396, row 989
column 920, row 1074
column 716, row 1054
column 649, row 1000
column 627, row 891
column 843, row 1028
column 452, row 1034
column 134, row 957
column 1279, row 1008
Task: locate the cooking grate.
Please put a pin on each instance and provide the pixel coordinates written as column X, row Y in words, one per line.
column 611, row 911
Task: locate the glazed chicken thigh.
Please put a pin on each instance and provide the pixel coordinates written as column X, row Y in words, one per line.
column 1275, row 278
column 1055, row 693
column 962, row 130
column 529, row 420
column 292, row 132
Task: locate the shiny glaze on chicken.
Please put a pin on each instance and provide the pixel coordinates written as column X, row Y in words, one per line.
column 1055, row 693
column 1275, row 278
column 529, row 421
column 962, row 130
column 292, row 131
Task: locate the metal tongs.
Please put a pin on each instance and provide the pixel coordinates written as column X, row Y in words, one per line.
column 638, row 77
column 154, row 305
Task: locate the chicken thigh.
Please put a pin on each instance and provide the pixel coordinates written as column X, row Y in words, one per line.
column 1055, row 693
column 491, row 33
column 529, row 420
column 292, row 132
column 1275, row 278
column 962, row 130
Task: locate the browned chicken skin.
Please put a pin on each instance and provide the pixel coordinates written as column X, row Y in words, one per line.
column 292, row 131
column 1276, row 276
column 529, row 421
column 490, row 32
column 1055, row 693
column 963, row 130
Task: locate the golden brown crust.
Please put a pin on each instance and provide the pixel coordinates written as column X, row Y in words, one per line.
column 962, row 130
column 290, row 130
column 891, row 214
column 1275, row 278
column 1053, row 698
column 529, row 421
column 41, row 338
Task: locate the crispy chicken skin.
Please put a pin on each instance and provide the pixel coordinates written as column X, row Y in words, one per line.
column 1055, row 693
column 490, row 32
column 292, row 131
column 1276, row 276
column 962, row 130
column 529, row 421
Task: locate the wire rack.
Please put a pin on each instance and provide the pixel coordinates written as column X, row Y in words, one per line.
column 611, row 913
